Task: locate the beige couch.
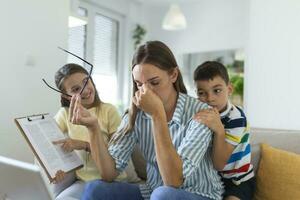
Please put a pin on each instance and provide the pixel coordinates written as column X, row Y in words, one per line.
column 283, row 139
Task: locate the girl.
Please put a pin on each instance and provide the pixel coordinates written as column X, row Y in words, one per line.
column 70, row 79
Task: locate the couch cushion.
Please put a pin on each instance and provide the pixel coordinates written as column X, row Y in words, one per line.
column 278, row 174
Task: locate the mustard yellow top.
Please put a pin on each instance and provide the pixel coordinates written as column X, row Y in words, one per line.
column 108, row 119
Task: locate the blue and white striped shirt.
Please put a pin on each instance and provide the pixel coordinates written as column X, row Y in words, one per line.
column 191, row 140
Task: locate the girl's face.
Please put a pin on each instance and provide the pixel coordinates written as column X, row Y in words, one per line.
column 73, row 85
column 160, row 81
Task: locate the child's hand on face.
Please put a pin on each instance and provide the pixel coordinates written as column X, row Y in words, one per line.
column 80, row 115
column 147, row 100
column 211, row 118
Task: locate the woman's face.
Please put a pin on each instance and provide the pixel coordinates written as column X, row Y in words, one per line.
column 160, row 81
column 73, row 85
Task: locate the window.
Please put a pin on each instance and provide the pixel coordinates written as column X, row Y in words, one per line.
column 105, row 57
column 105, row 45
column 98, row 43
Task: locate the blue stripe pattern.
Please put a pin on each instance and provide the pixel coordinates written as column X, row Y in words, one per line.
column 234, row 123
column 237, row 156
column 191, row 140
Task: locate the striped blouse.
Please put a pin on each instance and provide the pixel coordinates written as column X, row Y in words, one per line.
column 191, row 140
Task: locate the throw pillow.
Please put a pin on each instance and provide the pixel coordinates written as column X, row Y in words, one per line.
column 278, row 175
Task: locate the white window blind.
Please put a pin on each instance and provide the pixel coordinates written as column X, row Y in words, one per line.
column 98, row 43
column 77, row 41
column 105, row 45
column 105, row 57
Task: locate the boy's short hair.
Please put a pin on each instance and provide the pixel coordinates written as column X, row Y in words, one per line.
column 209, row 70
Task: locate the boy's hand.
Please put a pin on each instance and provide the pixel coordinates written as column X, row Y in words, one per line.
column 211, row 118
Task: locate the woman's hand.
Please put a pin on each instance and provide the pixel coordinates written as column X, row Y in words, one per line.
column 59, row 177
column 147, row 100
column 211, row 118
column 80, row 115
column 69, row 144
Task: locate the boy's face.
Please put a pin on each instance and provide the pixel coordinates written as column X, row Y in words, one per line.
column 214, row 92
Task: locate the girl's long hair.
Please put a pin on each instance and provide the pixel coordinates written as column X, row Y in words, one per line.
column 159, row 55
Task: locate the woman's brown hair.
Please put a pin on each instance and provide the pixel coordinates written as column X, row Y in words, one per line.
column 159, row 55
column 66, row 71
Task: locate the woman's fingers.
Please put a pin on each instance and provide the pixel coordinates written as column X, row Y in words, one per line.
column 136, row 98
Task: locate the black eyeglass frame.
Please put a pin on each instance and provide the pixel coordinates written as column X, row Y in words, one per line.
column 89, row 76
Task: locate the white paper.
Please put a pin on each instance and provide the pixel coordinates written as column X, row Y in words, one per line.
column 41, row 133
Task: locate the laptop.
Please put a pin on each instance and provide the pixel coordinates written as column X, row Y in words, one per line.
column 21, row 181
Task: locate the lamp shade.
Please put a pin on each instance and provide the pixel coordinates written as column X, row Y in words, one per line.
column 174, row 19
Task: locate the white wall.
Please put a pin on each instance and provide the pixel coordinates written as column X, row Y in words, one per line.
column 29, row 29
column 272, row 67
column 268, row 30
column 211, row 25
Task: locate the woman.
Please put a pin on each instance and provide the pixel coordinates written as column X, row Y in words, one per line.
column 177, row 148
column 70, row 79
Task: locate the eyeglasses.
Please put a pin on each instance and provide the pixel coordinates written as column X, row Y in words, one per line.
column 85, row 83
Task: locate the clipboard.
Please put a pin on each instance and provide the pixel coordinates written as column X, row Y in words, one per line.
column 34, row 129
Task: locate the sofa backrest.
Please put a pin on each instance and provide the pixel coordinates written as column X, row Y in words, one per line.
column 283, row 139
column 288, row 140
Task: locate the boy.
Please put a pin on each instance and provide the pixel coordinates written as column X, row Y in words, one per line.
column 231, row 153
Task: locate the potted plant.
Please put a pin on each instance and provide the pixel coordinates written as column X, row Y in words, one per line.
column 139, row 33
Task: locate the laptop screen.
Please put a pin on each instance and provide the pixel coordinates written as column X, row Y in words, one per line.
column 20, row 180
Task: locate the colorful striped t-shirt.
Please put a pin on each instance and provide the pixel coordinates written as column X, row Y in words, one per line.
column 238, row 167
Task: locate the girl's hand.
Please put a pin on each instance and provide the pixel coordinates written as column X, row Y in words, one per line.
column 211, row 118
column 69, row 144
column 59, row 177
column 147, row 100
column 80, row 115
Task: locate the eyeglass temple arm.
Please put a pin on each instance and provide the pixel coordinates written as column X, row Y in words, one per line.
column 76, row 57
column 56, row 89
column 83, row 61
